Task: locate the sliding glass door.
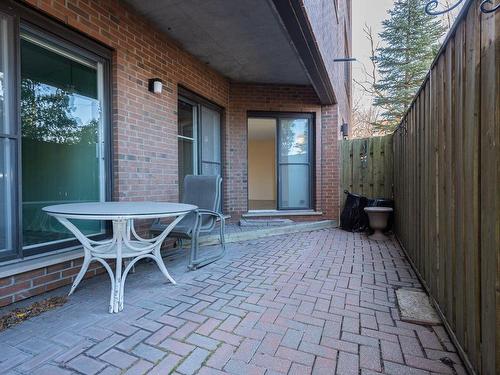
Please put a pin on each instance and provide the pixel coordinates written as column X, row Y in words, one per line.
column 280, row 161
column 62, row 136
column 199, row 136
column 54, row 130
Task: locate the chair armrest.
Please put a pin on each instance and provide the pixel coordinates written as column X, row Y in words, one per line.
column 210, row 212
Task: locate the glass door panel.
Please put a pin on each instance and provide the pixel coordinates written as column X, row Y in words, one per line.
column 187, row 130
column 7, row 157
column 261, row 163
column 8, row 141
column 210, row 144
column 62, row 153
column 294, row 186
column 294, row 146
column 294, row 163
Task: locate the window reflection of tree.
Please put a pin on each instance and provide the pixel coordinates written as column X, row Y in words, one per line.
column 293, row 138
column 46, row 114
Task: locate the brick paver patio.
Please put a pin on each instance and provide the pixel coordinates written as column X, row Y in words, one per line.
column 319, row 302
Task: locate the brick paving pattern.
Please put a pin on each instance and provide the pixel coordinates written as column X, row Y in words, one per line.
column 319, row 302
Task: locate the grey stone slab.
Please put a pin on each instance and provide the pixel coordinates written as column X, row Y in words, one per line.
column 415, row 307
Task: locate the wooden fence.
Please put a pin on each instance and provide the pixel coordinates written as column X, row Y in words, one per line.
column 446, row 186
column 367, row 166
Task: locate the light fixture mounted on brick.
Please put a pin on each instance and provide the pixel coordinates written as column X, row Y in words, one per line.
column 155, row 85
column 344, row 129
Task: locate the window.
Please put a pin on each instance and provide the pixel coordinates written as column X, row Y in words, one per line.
column 57, row 152
column 8, row 141
column 199, row 136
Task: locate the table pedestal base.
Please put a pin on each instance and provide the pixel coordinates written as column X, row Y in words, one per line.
column 119, row 248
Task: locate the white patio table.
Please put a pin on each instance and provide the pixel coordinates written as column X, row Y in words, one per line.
column 125, row 242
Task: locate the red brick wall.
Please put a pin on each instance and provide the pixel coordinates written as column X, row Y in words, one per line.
column 145, row 125
column 28, row 284
column 330, row 20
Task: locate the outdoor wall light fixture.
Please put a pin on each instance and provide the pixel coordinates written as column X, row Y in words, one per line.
column 486, row 6
column 344, row 130
column 155, row 85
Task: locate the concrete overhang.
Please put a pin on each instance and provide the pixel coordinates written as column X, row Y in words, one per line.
column 258, row 41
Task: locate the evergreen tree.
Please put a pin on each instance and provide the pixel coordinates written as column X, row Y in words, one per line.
column 410, row 40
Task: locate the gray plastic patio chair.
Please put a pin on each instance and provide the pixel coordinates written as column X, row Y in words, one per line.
column 204, row 192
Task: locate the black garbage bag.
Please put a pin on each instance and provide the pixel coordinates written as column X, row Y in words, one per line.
column 353, row 217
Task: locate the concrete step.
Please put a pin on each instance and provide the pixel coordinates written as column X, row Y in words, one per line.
column 264, row 222
column 213, row 239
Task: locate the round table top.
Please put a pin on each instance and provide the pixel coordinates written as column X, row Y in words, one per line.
column 112, row 210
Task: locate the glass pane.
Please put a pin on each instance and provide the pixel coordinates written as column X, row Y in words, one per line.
column 294, row 186
column 294, row 142
column 262, row 190
column 210, row 169
column 185, row 119
column 60, row 117
column 6, row 193
column 186, row 165
column 210, row 131
column 5, row 77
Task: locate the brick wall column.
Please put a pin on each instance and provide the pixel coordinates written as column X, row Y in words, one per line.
column 330, row 162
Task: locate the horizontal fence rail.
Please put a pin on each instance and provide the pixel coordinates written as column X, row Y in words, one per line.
column 446, row 186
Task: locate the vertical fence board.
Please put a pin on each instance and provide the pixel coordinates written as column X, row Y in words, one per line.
column 346, row 153
column 459, row 186
column 433, row 193
column 425, row 197
column 489, row 188
column 369, row 177
column 357, row 173
column 442, row 188
column 420, row 125
column 447, row 189
column 377, row 167
column 388, row 168
column 450, row 178
column 471, row 183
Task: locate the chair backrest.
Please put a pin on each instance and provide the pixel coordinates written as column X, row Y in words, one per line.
column 204, row 192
